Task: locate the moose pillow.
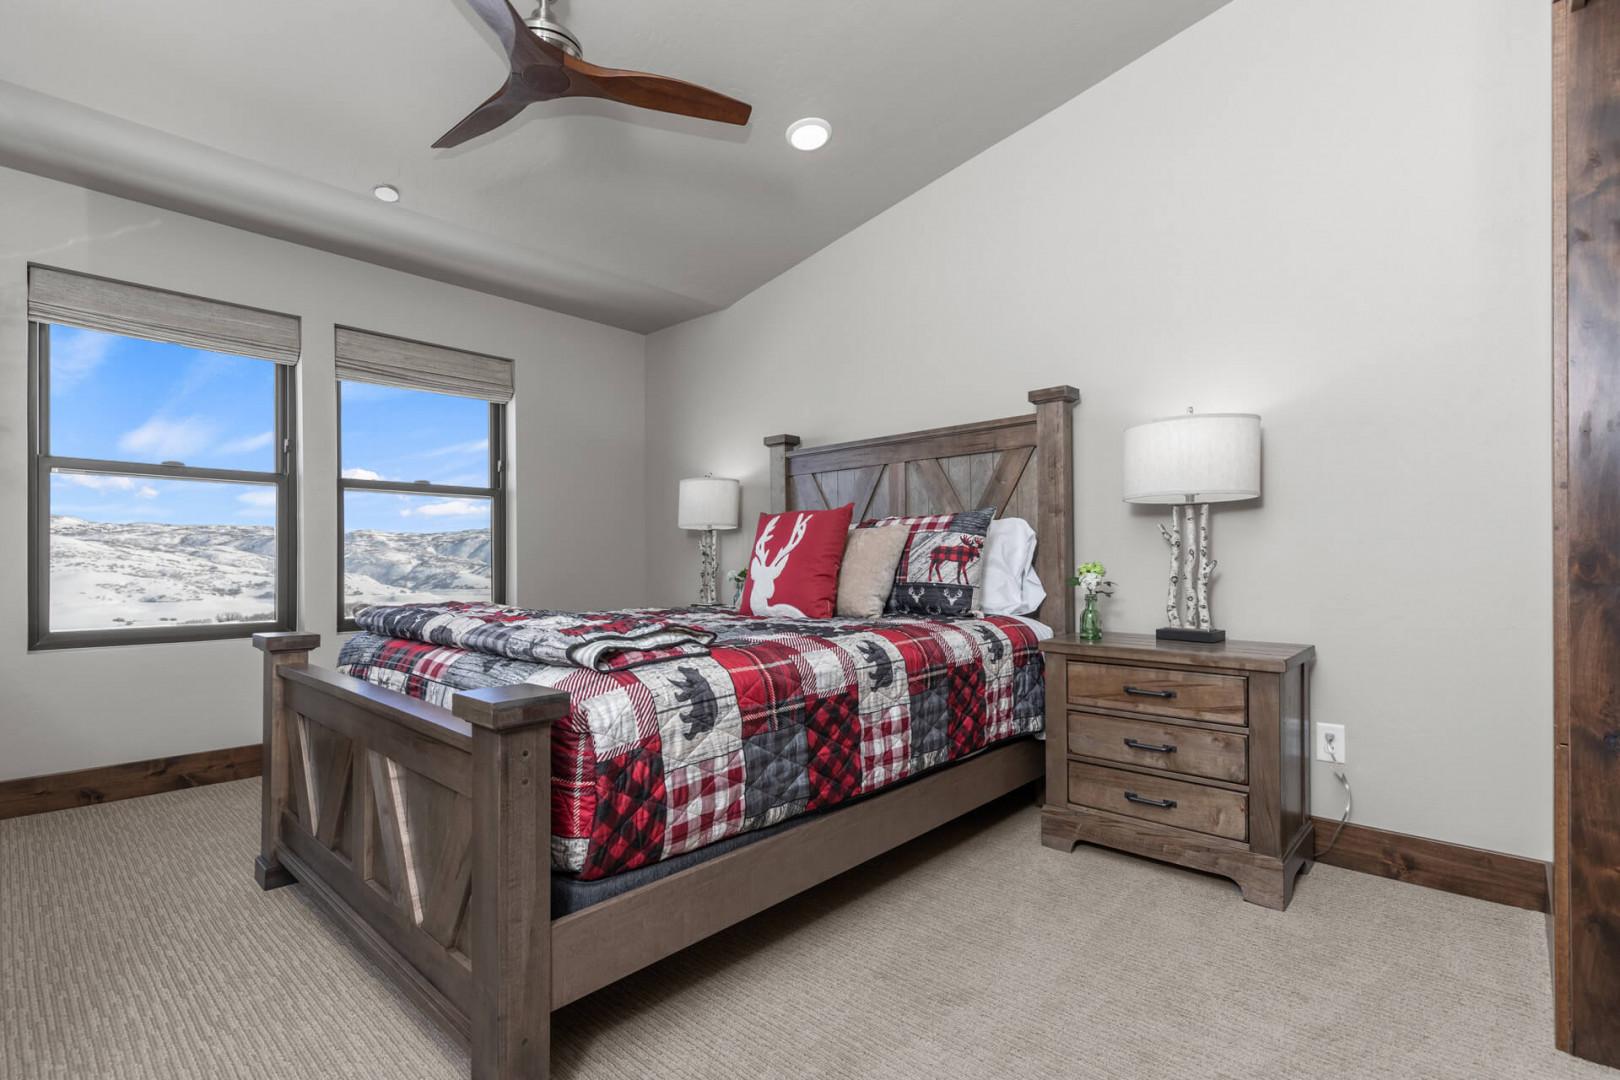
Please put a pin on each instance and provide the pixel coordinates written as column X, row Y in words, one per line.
column 941, row 566
column 794, row 569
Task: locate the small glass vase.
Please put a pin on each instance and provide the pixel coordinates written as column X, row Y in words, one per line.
column 1090, row 621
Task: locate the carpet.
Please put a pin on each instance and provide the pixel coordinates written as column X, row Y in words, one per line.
column 135, row 944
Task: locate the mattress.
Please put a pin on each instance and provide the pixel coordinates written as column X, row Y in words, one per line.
column 782, row 718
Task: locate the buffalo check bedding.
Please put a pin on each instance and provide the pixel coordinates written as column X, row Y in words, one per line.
column 781, row 717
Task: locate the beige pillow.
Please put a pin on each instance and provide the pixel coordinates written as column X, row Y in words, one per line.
column 867, row 575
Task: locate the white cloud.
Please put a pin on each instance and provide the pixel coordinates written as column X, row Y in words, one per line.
column 75, row 354
column 169, row 440
column 476, row 446
column 257, row 503
column 97, row 482
column 449, row 508
column 248, row 443
column 361, row 474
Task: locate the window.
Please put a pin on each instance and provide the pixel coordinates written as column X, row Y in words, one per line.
column 161, row 492
column 421, row 499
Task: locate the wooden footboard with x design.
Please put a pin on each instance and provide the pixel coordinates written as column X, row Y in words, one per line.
column 426, row 833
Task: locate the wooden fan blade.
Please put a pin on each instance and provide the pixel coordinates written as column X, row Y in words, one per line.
column 656, row 92
column 502, row 106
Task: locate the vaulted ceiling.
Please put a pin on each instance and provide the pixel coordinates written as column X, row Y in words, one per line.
column 281, row 117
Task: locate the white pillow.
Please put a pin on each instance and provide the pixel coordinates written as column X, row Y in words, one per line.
column 1010, row 584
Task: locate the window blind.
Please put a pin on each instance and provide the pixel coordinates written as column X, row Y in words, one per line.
column 378, row 358
column 57, row 296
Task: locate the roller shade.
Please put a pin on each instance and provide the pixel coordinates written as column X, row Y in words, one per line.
column 391, row 361
column 57, row 296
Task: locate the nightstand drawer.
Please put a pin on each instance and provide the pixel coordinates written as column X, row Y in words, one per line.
column 1190, row 695
column 1219, row 755
column 1168, row 802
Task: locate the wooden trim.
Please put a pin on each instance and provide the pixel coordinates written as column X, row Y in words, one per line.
column 109, row 783
column 1586, row 634
column 1558, row 945
column 1435, row 864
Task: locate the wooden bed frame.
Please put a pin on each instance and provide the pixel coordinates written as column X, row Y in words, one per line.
column 426, row 831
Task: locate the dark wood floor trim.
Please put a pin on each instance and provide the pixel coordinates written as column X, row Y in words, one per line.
column 1484, row 875
column 62, row 791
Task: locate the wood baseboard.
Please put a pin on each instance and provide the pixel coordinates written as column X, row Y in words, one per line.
column 1484, row 875
column 84, row 787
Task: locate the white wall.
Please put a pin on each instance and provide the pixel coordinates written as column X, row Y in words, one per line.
column 1336, row 215
column 578, row 526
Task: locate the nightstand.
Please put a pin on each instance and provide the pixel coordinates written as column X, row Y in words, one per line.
column 1192, row 754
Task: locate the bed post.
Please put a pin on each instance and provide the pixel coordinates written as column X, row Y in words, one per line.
column 1054, row 538
column 781, row 446
column 510, row 907
column 283, row 648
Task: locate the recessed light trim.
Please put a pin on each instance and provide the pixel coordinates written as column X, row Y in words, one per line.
column 387, row 193
column 809, row 134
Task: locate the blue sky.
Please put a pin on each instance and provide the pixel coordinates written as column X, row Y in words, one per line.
column 125, row 399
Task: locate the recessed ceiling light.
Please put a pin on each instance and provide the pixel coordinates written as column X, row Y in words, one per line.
column 386, row 192
column 811, row 133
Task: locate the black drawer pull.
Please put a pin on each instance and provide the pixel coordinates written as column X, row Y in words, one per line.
column 1162, row 804
column 1157, row 748
column 1140, row 692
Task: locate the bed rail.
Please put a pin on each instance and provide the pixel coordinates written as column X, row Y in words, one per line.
column 426, row 831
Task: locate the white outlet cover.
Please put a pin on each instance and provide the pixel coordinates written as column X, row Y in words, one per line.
column 1337, row 731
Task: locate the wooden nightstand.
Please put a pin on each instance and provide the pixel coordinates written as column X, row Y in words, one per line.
column 1193, row 754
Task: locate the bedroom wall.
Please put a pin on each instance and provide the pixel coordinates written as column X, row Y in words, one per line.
column 1335, row 215
column 578, row 536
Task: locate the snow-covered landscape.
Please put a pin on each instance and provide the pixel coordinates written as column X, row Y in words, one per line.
column 110, row 574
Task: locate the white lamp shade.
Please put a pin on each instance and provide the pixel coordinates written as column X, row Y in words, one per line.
column 1200, row 457
column 709, row 502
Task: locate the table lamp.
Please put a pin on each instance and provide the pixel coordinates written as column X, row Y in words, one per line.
column 708, row 503
column 1188, row 461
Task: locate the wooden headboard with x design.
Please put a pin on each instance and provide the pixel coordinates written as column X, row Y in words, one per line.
column 1022, row 466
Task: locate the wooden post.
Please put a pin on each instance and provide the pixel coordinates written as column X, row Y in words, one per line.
column 510, row 907
column 781, row 446
column 1586, row 520
column 283, row 648
column 1054, row 537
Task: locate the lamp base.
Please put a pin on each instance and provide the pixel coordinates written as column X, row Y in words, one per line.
column 1182, row 633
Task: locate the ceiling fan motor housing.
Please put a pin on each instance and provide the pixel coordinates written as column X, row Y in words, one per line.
column 553, row 32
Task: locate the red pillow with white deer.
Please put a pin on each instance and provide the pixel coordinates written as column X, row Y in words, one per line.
column 941, row 566
column 794, row 570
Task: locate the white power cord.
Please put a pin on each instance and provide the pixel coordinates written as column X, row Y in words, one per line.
column 1348, row 799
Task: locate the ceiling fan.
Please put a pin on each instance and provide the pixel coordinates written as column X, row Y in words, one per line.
column 547, row 63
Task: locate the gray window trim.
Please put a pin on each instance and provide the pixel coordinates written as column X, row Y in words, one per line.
column 495, row 493
column 42, row 463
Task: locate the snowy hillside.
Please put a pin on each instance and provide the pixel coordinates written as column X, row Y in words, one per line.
column 114, row 574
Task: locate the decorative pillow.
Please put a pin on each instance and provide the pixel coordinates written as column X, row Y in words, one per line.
column 867, row 577
column 942, row 565
column 1011, row 585
column 794, row 569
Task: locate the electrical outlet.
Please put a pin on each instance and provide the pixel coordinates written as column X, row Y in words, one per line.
column 1324, row 732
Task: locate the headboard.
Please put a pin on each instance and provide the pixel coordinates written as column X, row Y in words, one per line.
column 1023, row 466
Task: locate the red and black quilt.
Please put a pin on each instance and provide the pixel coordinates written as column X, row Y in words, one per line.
column 781, row 718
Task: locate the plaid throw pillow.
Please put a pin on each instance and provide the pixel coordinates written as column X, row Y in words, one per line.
column 941, row 566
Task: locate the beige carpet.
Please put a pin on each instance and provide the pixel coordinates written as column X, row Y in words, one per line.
column 133, row 943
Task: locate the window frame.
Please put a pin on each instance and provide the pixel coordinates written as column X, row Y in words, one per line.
column 42, row 463
column 495, row 493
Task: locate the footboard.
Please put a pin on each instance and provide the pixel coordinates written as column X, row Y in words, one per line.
column 426, row 832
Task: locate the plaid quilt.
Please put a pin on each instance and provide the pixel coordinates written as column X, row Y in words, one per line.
column 600, row 640
column 781, row 718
